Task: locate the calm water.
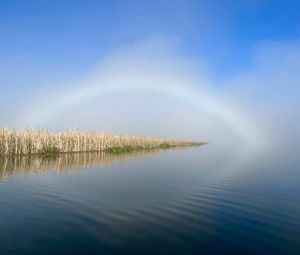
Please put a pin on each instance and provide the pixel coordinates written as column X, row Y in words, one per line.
column 204, row 200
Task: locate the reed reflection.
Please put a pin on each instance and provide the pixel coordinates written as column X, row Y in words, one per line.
column 65, row 162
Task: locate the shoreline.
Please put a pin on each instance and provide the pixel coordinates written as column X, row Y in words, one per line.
column 113, row 150
column 46, row 143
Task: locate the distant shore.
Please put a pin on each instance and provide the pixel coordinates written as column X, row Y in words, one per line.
column 46, row 143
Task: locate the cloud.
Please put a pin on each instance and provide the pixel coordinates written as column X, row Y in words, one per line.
column 270, row 91
column 149, row 89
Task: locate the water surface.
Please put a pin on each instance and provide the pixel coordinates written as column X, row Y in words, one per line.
column 204, row 200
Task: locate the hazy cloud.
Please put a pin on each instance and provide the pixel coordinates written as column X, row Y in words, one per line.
column 150, row 89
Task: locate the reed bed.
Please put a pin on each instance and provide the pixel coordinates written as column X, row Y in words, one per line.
column 31, row 141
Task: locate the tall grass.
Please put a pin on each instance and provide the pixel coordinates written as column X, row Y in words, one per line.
column 45, row 142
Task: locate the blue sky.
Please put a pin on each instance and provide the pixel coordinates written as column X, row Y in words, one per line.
column 239, row 57
column 57, row 36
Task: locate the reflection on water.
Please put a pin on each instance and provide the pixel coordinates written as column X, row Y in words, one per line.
column 66, row 161
column 205, row 200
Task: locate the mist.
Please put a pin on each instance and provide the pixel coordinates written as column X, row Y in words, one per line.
column 151, row 88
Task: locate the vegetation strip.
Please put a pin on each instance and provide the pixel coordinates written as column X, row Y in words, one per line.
column 50, row 144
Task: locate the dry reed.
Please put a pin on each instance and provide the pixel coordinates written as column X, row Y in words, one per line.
column 37, row 141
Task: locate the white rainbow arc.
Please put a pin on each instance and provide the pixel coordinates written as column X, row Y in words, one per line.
column 231, row 117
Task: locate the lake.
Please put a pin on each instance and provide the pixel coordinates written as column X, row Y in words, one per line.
column 201, row 200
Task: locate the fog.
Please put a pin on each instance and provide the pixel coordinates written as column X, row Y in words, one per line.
column 150, row 88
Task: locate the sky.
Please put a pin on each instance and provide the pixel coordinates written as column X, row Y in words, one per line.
column 219, row 71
